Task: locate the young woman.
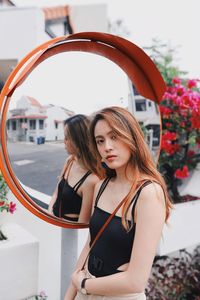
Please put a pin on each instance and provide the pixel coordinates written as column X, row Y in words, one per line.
column 119, row 263
column 72, row 199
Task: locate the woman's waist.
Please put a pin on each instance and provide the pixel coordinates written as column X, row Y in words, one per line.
column 103, row 266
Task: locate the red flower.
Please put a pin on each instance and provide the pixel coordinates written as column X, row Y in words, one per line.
column 191, row 153
column 12, row 207
column 170, row 136
column 165, row 110
column 2, row 203
column 182, row 173
column 168, row 125
column 169, row 148
column 182, row 124
column 176, row 80
column 195, row 121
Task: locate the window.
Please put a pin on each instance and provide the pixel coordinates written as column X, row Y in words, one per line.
column 41, row 124
column 140, row 105
column 14, row 125
column 56, row 125
column 8, row 125
column 134, row 90
column 32, row 124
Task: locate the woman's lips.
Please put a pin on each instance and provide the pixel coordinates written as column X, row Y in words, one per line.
column 111, row 157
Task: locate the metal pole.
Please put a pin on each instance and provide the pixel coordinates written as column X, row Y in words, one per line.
column 69, row 252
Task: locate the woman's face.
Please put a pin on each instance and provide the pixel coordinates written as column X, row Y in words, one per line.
column 68, row 143
column 114, row 152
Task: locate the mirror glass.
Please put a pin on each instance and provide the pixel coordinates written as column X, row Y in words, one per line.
column 64, row 85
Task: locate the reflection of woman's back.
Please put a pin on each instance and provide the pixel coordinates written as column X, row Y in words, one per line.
column 69, row 201
column 72, row 199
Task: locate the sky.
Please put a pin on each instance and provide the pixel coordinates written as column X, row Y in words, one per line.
column 173, row 22
column 85, row 88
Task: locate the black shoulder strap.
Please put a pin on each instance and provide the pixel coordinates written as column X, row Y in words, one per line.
column 135, row 198
column 102, row 188
column 78, row 184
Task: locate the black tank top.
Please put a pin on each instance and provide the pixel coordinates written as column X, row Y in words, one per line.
column 68, row 201
column 113, row 247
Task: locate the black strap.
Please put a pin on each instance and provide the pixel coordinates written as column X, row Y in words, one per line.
column 136, row 196
column 102, row 188
column 78, row 184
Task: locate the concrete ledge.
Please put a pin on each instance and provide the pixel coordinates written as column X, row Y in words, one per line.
column 19, row 263
column 182, row 229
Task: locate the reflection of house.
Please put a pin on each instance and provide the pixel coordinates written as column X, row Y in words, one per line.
column 30, row 120
column 147, row 114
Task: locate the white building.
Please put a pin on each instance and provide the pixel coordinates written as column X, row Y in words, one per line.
column 30, row 121
column 147, row 114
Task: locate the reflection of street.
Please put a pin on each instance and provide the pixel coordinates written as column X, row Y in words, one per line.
column 37, row 166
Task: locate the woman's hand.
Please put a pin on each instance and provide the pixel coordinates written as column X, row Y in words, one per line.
column 77, row 278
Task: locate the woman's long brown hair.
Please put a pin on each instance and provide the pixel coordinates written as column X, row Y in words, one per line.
column 77, row 128
column 129, row 131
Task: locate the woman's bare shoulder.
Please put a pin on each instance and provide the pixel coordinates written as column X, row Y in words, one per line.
column 152, row 193
column 92, row 180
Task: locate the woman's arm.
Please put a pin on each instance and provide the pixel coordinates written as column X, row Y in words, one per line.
column 55, row 194
column 150, row 219
column 72, row 290
column 87, row 198
column 53, row 200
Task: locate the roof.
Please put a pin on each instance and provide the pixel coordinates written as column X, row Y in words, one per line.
column 55, row 12
column 34, row 102
column 28, row 117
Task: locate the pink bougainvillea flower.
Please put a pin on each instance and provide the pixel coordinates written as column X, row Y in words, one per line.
column 176, row 80
column 43, row 294
column 12, row 207
column 182, row 173
column 192, row 83
column 180, row 90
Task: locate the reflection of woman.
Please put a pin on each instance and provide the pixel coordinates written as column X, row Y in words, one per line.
column 72, row 199
column 120, row 261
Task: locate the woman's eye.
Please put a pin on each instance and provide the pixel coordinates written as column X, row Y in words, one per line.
column 99, row 142
column 113, row 137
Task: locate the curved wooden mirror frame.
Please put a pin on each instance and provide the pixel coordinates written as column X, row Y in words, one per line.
column 130, row 58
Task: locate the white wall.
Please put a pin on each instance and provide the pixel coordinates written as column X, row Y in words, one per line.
column 20, row 31
column 19, row 256
column 49, row 237
column 182, row 230
column 25, row 29
column 89, row 17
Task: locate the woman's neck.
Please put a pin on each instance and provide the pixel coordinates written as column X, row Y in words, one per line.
column 78, row 162
column 125, row 174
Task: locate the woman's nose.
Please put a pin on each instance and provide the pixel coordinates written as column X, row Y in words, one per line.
column 108, row 145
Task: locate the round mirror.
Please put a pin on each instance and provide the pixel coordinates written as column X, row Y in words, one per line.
column 52, row 88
